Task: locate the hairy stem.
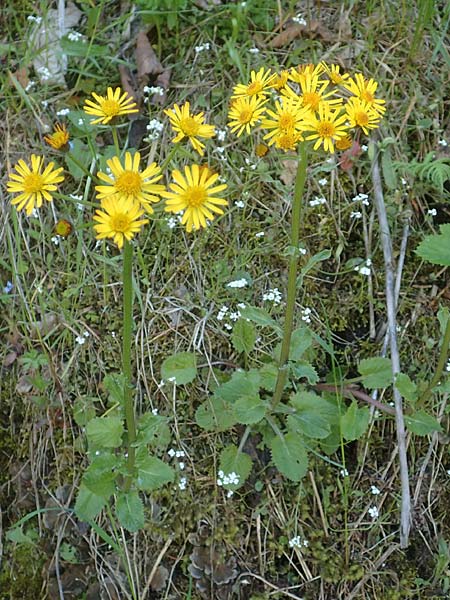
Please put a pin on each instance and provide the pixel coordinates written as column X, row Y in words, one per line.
column 292, row 275
column 126, row 358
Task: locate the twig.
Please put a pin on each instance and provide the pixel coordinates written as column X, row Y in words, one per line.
column 405, row 516
column 352, row 392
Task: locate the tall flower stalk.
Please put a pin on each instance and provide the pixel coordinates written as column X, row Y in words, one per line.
column 292, row 275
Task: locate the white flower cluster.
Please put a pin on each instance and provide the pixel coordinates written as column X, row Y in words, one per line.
column 443, row 143
column 260, row 234
column 297, row 542
column 239, row 203
column 253, row 50
column 432, row 212
column 221, row 134
column 233, row 315
column 374, row 490
column 76, row 36
column 80, row 339
column 363, row 198
column 34, row 19
column 154, row 127
column 343, row 473
column 230, row 479
column 373, row 512
column 364, row 269
column 153, row 90
column 44, row 73
column 355, row 214
column 273, row 295
column 202, row 47
column 173, row 220
column 182, row 483
column 306, row 312
column 299, row 20
column 238, row 283
column 318, row 200
column 56, row 239
column 63, row 112
column 323, row 181
column 30, row 85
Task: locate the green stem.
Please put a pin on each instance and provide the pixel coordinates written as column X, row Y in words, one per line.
column 126, row 358
column 440, row 366
column 292, row 275
column 116, row 140
column 169, row 157
column 83, row 168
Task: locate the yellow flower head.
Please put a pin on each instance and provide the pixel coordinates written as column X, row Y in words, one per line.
column 63, row 228
column 334, row 73
column 33, row 184
column 244, row 113
column 59, row 139
column 313, row 92
column 280, row 80
column 128, row 183
column 328, row 127
column 287, row 140
column 344, row 143
column 365, row 90
column 288, row 116
column 195, row 194
column 119, row 219
column 259, row 84
column 299, row 72
column 112, row 105
column 191, row 126
column 360, row 114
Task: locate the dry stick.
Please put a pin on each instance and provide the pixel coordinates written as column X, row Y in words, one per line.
column 405, row 515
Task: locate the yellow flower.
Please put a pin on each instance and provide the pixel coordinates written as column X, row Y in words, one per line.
column 128, row 183
column 300, row 71
column 244, row 113
column 259, row 84
column 313, row 92
column 118, row 218
column 287, row 140
column 328, row 127
column 191, row 126
column 59, row 139
column 333, row 72
column 193, row 193
column 288, row 116
column 344, row 143
column 33, row 184
column 112, row 105
column 280, row 80
column 360, row 114
column 63, row 228
column 365, row 90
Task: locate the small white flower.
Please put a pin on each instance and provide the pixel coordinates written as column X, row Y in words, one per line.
column 155, row 124
column 447, row 367
column 374, row 490
column 343, row 473
column 76, row 36
column 273, row 295
column 317, row 201
column 228, row 326
column 306, row 315
column 202, row 47
column 448, row 471
column 373, row 512
column 154, row 411
column 302, row 250
column 8, row 287
column 365, row 268
column 56, row 239
column 156, row 90
column 172, row 379
column 230, row 493
column 241, row 305
column 443, row 143
column 234, row 316
column 182, row 483
column 80, row 339
column 432, row 212
column 172, row 222
column 364, row 148
column 239, row 203
column 34, row 19
column 171, row 453
column 238, row 283
column 113, row 334
column 253, row 50
column 323, row 181
column 297, row 542
column 221, row 134
column 30, row 85
column 260, row 234
column 181, row 465
column 355, row 214
column 403, row 180
column 221, row 150
column 44, row 103
column 299, row 20
column 180, row 453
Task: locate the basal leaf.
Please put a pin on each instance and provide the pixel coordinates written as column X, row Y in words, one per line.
column 436, row 248
column 130, row 511
column 215, row 414
column 376, row 372
column 421, row 423
column 249, row 409
column 232, row 461
column 88, row 505
column 105, row 432
column 153, row 473
column 243, row 336
column 406, row 387
column 313, row 415
column 289, row 456
column 242, row 383
column 354, row 421
column 181, row 368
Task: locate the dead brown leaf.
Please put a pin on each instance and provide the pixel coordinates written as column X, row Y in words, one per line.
column 345, row 26
column 159, row 579
column 313, row 29
column 125, row 80
column 146, row 60
column 289, row 171
column 162, row 81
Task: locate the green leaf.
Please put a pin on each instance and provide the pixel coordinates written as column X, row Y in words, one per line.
column 313, row 416
column 88, row 504
column 269, row 375
column 314, row 260
column 101, row 483
column 376, row 372
column 243, row 336
column 249, row 409
column 436, row 248
column 421, row 423
column 303, row 369
column 330, row 444
column 242, row 383
column 153, row 430
column 153, row 473
column 289, row 456
column 238, row 462
column 83, row 411
column 83, row 154
column 181, row 367
column 389, row 175
column 215, row 414
column 301, row 340
column 260, row 317
column 18, row 536
column 130, row 511
column 355, row 421
column 406, row 387
column 105, row 432
column 114, row 384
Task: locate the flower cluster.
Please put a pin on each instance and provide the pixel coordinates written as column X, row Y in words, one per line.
column 312, row 102
column 126, row 191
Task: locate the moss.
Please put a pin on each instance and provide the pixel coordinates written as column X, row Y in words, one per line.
column 20, row 576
